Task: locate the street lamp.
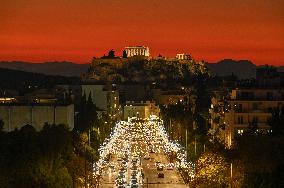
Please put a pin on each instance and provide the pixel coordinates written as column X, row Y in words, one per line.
column 186, row 143
column 231, row 175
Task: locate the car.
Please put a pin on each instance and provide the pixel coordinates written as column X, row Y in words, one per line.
column 121, row 175
column 135, row 160
column 122, row 185
column 134, row 177
column 123, row 169
column 133, row 167
column 111, row 168
column 157, row 163
column 170, row 166
column 161, row 175
column 120, row 181
column 147, row 157
column 134, row 181
column 134, row 173
column 134, row 163
column 125, row 159
column 134, row 184
column 160, row 168
column 119, row 159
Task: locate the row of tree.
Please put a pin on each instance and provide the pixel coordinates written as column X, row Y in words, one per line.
column 54, row 156
column 36, row 159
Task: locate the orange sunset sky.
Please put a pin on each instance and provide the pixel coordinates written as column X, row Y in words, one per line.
column 77, row 30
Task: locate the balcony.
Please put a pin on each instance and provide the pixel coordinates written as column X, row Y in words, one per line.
column 259, row 125
column 262, row 111
column 258, row 99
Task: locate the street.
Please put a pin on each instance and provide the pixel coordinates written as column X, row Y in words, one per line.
column 137, row 155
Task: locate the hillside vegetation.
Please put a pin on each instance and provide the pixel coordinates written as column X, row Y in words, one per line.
column 139, row 70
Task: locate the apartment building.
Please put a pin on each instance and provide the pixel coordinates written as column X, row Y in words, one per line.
column 245, row 109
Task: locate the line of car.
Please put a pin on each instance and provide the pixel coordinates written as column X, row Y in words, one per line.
column 121, row 181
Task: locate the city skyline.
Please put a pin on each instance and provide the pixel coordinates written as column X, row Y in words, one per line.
column 141, row 93
column 76, row 31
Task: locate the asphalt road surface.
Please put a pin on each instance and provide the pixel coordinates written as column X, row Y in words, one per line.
column 140, row 162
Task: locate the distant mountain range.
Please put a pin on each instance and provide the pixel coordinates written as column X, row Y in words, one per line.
column 243, row 69
column 18, row 80
column 49, row 68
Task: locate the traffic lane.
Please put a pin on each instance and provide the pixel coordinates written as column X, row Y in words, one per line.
column 149, row 168
column 140, row 145
column 166, row 186
column 108, row 175
column 171, row 179
column 151, row 172
column 170, row 176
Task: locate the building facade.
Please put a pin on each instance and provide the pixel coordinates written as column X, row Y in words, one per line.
column 140, row 110
column 245, row 109
column 137, row 51
column 105, row 98
column 269, row 76
column 165, row 97
column 72, row 92
column 18, row 115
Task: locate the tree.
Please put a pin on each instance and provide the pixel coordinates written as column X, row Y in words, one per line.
column 87, row 115
column 262, row 159
column 124, row 54
column 212, row 170
column 111, row 54
column 36, row 159
column 1, row 125
column 277, row 121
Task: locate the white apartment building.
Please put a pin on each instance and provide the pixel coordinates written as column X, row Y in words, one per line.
column 140, row 110
column 16, row 115
column 106, row 99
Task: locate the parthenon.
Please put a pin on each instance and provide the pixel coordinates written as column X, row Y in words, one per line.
column 137, row 51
